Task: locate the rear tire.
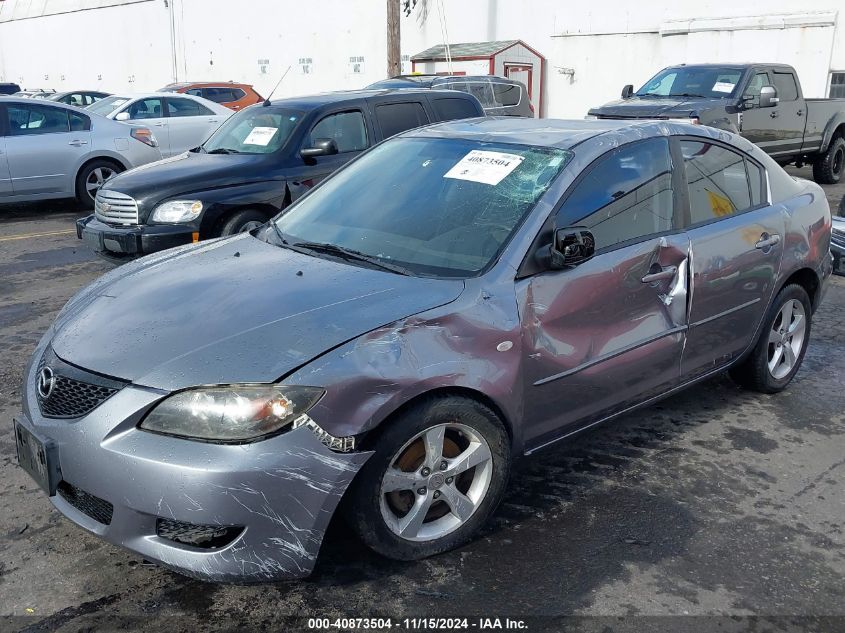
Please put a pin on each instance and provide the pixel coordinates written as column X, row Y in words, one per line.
column 242, row 221
column 827, row 170
column 91, row 177
column 411, row 477
column 780, row 349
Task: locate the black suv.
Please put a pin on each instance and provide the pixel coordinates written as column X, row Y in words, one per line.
column 257, row 163
column 499, row 96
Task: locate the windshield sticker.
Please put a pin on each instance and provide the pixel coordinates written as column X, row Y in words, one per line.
column 260, row 136
column 723, row 86
column 485, row 167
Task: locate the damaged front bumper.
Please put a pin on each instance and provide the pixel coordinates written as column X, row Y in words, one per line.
column 229, row 513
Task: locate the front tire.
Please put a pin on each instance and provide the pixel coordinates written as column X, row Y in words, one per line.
column 827, row 170
column 440, row 470
column 780, row 349
column 242, row 221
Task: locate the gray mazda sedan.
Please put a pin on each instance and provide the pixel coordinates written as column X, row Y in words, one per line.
column 457, row 296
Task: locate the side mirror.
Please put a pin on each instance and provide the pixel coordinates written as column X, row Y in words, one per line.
column 121, row 116
column 628, row 91
column 768, row 97
column 321, row 147
column 572, row 246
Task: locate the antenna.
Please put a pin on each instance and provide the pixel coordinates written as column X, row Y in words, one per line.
column 267, row 100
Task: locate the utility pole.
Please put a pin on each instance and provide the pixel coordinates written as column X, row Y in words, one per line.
column 394, row 64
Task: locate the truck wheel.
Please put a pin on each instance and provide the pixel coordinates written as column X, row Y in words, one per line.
column 783, row 341
column 242, row 221
column 91, row 177
column 827, row 170
column 439, row 470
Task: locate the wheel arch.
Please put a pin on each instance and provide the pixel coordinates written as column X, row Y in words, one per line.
column 91, row 159
column 213, row 228
column 808, row 279
column 834, row 128
column 455, row 391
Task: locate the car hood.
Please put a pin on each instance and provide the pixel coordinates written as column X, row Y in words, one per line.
column 230, row 311
column 649, row 107
column 186, row 173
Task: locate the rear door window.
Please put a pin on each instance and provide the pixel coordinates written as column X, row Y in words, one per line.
column 451, row 108
column 219, row 95
column 186, row 107
column 626, row 195
column 346, row 128
column 785, row 85
column 717, row 181
column 394, row 118
column 79, row 122
column 27, row 120
column 482, row 91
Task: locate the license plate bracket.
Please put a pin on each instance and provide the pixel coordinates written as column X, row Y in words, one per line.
column 92, row 240
column 38, row 457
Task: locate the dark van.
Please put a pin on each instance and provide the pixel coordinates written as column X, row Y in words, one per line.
column 257, row 163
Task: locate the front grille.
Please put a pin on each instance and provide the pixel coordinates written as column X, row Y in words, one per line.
column 72, row 398
column 838, row 237
column 73, row 392
column 204, row 536
column 114, row 207
column 98, row 509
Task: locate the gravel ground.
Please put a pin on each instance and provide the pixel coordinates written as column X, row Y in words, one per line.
column 715, row 502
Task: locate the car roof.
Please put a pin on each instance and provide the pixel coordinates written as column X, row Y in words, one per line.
column 557, row 133
column 339, row 96
column 209, row 84
column 737, row 65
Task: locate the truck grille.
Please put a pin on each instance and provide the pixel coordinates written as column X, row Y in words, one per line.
column 114, row 207
column 838, row 237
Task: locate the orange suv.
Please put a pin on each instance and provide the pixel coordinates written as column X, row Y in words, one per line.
column 232, row 95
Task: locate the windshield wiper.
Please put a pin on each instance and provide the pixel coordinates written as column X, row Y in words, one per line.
column 224, row 150
column 347, row 254
column 686, row 94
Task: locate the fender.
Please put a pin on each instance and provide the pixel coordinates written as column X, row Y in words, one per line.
column 837, row 120
column 269, row 195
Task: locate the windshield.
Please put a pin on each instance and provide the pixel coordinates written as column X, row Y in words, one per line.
column 258, row 130
column 108, row 105
column 436, row 207
column 693, row 81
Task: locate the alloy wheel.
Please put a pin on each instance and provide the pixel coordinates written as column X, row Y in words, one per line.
column 786, row 339
column 436, row 482
column 96, row 179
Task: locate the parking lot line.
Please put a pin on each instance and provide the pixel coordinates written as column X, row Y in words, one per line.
column 28, row 235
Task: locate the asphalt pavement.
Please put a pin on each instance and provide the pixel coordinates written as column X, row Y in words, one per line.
column 715, row 502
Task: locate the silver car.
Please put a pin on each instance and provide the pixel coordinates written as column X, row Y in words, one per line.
column 458, row 296
column 181, row 122
column 51, row 150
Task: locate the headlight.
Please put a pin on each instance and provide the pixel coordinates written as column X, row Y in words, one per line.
column 177, row 211
column 234, row 413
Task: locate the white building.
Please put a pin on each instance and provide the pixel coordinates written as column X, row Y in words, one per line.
column 591, row 50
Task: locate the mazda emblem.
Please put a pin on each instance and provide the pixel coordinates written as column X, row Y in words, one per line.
column 46, row 382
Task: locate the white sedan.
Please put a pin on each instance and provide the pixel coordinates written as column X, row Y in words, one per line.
column 179, row 122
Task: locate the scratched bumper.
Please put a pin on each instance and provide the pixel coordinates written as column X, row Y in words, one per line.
column 282, row 491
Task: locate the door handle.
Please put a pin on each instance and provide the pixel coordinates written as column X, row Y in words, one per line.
column 766, row 241
column 664, row 273
column 773, row 114
column 212, row 120
column 77, row 142
column 160, row 124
